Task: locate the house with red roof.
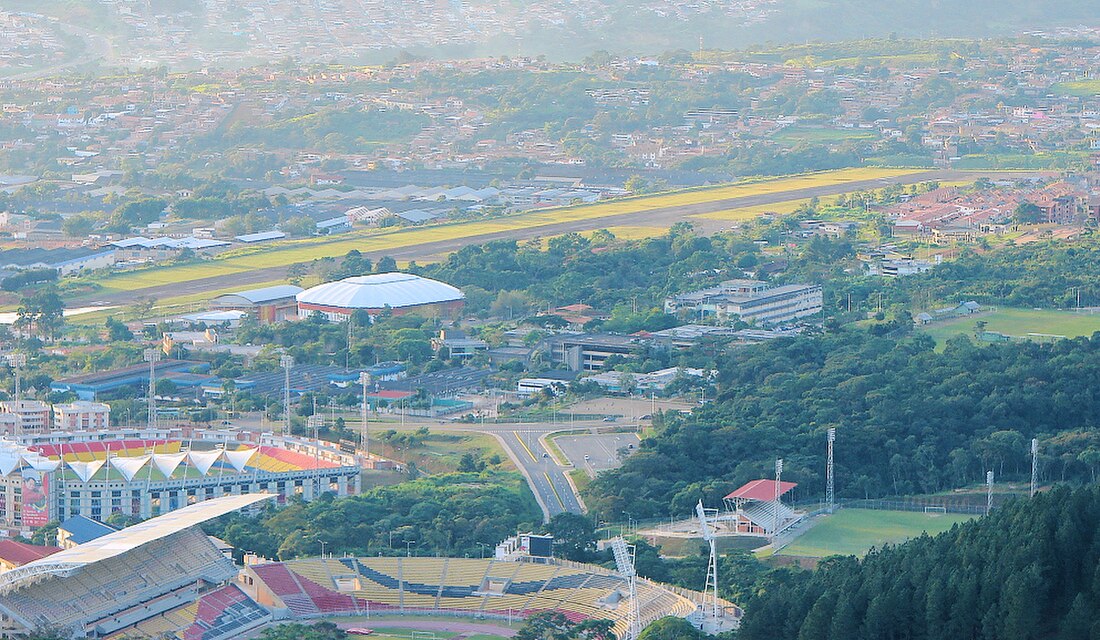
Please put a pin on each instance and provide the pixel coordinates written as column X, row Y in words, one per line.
column 16, row 554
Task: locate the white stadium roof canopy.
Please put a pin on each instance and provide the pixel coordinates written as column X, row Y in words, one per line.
column 130, row 538
column 380, row 290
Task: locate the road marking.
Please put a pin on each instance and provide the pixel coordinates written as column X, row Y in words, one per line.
column 525, row 447
column 555, row 490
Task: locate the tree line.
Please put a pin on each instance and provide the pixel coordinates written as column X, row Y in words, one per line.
column 909, row 419
column 1028, row 570
column 451, row 515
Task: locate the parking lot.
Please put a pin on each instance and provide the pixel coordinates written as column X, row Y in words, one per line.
column 594, row 453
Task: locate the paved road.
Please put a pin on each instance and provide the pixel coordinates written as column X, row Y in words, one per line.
column 547, row 480
column 656, row 217
column 596, row 452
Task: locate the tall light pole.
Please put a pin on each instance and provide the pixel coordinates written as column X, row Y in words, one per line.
column 17, row 362
column 1034, row 466
column 830, row 496
column 314, row 422
column 286, row 362
column 778, row 481
column 364, row 435
column 988, row 492
column 152, row 356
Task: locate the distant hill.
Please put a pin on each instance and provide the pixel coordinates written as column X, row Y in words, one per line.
column 190, row 33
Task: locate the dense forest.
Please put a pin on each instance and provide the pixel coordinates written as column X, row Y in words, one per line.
column 629, row 279
column 909, row 420
column 1029, row 570
column 1032, row 275
column 448, row 514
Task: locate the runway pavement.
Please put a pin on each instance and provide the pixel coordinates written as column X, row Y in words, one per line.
column 665, row 216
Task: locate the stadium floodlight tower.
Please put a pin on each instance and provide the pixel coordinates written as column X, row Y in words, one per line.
column 17, row 361
column 1034, row 466
column 710, row 588
column 988, row 492
column 830, row 495
column 624, row 562
column 778, row 483
column 364, row 379
column 314, row 424
column 286, row 362
column 152, row 356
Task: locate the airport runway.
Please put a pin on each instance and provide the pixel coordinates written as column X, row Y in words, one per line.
column 425, row 252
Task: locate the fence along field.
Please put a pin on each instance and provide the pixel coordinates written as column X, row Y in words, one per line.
column 374, row 240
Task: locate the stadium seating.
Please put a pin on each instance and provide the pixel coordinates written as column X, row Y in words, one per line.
column 763, row 514
column 456, row 584
column 121, row 582
column 278, row 460
column 285, row 585
column 223, row 613
column 316, row 582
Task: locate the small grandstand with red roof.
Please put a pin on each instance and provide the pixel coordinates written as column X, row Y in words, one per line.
column 756, row 508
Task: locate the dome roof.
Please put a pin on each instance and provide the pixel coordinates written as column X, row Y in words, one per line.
column 380, row 290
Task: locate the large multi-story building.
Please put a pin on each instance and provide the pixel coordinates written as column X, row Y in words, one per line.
column 82, row 415
column 58, row 475
column 31, row 416
column 751, row 301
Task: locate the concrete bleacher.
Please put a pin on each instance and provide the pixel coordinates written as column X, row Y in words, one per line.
column 222, row 613
column 110, row 594
column 277, row 460
column 763, row 514
column 459, row 585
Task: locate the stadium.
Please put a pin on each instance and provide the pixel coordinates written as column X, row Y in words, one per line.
column 127, row 584
column 399, row 293
column 55, row 476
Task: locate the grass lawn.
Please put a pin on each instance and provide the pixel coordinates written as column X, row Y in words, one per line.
column 814, row 134
column 855, row 531
column 439, row 451
column 404, row 633
column 681, row 547
column 748, row 213
column 295, row 251
column 580, row 478
column 636, row 233
column 1019, row 323
column 1079, row 88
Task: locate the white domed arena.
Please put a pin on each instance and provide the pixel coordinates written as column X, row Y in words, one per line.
column 399, row 293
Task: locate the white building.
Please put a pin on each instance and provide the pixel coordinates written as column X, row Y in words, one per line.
column 32, row 416
column 751, row 301
column 82, row 415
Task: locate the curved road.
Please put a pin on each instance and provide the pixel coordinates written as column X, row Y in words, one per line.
column 665, row 216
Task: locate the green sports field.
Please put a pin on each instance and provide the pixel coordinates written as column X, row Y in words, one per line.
column 1019, row 323
column 400, row 633
column 855, row 531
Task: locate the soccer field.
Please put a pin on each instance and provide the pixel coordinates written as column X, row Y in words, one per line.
column 855, row 531
column 390, row 632
column 1019, row 323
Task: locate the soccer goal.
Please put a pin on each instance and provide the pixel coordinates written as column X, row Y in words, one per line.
column 935, row 512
